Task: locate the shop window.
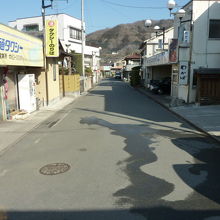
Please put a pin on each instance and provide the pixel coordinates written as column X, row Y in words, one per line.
column 214, row 29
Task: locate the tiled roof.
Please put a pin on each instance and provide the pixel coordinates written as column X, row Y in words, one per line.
column 133, row 56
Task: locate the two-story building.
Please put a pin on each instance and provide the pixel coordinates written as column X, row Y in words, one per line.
column 193, row 54
column 155, row 57
column 197, row 73
column 69, row 34
column 131, row 61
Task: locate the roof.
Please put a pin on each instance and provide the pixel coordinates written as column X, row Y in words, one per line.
column 45, row 16
column 187, row 3
column 133, row 56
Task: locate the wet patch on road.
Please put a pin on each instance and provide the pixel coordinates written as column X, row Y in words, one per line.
column 143, row 187
column 154, row 179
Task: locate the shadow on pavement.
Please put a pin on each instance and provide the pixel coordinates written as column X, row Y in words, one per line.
column 157, row 213
column 207, row 154
column 119, row 98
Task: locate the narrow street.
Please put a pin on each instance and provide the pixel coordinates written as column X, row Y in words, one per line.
column 126, row 156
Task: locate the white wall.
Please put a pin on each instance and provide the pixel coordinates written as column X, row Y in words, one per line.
column 205, row 51
column 64, row 23
column 153, row 49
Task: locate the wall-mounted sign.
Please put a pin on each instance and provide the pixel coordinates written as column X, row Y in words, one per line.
column 52, row 45
column 186, row 36
column 183, row 73
column 19, row 49
column 173, row 50
column 158, row 59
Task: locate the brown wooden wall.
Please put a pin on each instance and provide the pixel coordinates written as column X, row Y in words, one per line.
column 208, row 91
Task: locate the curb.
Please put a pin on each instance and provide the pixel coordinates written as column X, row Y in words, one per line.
column 180, row 116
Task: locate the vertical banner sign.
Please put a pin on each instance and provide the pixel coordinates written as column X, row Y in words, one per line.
column 173, row 50
column 51, row 43
column 183, row 73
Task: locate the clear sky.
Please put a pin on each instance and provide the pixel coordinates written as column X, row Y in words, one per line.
column 99, row 14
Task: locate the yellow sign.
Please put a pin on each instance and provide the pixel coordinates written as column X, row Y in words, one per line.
column 52, row 45
column 19, row 49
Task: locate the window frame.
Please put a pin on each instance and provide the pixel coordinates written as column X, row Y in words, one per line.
column 75, row 33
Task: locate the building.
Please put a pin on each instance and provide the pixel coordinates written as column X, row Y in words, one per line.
column 193, row 54
column 69, row 34
column 196, row 76
column 155, row 57
column 131, row 61
column 21, row 67
column 118, row 66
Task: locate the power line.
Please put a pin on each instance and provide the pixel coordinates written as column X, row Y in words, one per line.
column 132, row 6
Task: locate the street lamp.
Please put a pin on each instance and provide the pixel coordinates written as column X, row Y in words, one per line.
column 148, row 24
column 181, row 14
column 171, row 4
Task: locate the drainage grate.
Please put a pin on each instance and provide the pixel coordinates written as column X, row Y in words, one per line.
column 54, row 168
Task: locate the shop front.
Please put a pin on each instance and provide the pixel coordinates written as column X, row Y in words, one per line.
column 158, row 70
column 21, row 58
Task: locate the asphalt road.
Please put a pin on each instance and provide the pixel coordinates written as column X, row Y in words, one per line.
column 128, row 158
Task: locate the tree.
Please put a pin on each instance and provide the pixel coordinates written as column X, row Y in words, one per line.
column 135, row 79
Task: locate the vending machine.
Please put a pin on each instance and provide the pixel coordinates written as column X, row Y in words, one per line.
column 26, row 92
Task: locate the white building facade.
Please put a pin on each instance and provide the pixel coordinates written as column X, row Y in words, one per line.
column 155, row 56
column 69, row 34
column 192, row 54
column 198, row 34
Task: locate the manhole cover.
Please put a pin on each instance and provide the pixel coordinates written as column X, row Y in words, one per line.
column 54, row 168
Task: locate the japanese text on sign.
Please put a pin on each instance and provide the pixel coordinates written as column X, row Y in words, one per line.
column 9, row 46
column 183, row 73
column 52, row 46
column 19, row 49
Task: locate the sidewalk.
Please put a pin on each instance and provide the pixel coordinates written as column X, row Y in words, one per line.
column 204, row 118
column 12, row 131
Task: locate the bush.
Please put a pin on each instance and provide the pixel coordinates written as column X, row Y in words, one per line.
column 88, row 71
column 77, row 62
column 135, row 79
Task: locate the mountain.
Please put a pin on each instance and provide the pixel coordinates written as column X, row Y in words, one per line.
column 123, row 39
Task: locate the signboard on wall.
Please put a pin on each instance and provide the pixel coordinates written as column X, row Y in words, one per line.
column 186, row 36
column 173, row 50
column 183, row 73
column 52, row 44
column 19, row 49
column 158, row 59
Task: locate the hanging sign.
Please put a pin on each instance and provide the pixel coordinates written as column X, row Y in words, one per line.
column 51, row 39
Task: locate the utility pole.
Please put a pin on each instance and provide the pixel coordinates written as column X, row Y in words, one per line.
column 83, row 42
column 43, row 7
